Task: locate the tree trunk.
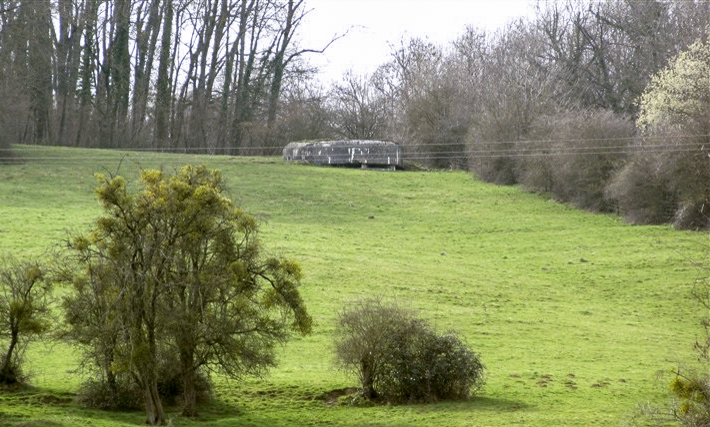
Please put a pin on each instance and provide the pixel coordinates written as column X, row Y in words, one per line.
column 154, row 413
column 368, row 382
column 189, row 393
column 280, row 62
column 87, row 68
column 163, row 84
column 40, row 51
column 120, row 72
column 68, row 55
column 6, row 374
column 146, row 44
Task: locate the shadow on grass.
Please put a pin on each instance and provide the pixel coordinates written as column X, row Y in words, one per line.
column 439, row 414
column 267, row 405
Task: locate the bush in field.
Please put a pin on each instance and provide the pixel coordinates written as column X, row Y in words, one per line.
column 364, row 339
column 399, row 358
column 575, row 156
column 428, row 367
column 25, row 313
column 122, row 395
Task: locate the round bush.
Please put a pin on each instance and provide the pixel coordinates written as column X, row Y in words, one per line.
column 399, row 358
column 429, row 367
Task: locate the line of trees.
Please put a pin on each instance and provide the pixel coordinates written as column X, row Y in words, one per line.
column 147, row 73
column 488, row 90
column 559, row 104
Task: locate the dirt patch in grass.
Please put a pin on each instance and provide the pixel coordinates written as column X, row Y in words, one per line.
column 331, row 398
column 600, row 384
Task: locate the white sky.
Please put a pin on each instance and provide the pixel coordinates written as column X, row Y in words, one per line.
column 378, row 23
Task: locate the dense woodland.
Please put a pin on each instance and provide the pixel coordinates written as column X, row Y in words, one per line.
column 553, row 102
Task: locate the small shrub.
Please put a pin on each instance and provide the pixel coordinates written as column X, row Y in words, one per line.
column 12, row 374
column 399, row 358
column 364, row 338
column 691, row 393
column 119, row 396
column 430, row 367
column 25, row 313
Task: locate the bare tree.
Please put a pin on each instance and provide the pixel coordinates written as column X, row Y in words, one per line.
column 357, row 109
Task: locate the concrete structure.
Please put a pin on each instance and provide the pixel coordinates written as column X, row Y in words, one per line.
column 352, row 153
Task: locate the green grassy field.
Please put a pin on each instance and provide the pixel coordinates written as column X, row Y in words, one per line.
column 573, row 313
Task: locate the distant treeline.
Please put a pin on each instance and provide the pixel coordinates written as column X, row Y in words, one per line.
column 554, row 102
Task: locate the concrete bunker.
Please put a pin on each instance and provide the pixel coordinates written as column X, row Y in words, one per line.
column 346, row 153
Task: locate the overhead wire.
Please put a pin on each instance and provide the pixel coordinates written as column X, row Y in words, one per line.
column 413, row 152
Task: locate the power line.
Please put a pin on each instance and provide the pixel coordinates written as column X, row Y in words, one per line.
column 417, row 152
column 631, row 139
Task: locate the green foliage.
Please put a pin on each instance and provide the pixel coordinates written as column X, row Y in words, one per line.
column 177, row 267
column 399, row 358
column 427, row 367
column 691, row 391
column 25, row 313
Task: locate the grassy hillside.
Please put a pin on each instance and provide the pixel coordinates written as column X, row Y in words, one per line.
column 573, row 313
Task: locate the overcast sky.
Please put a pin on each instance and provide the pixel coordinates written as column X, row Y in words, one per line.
column 376, row 24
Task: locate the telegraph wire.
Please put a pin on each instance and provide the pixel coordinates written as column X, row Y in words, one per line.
column 637, row 140
column 410, row 152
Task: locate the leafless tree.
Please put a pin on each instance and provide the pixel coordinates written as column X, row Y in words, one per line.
column 357, row 110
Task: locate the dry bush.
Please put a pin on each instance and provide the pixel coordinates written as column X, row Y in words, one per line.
column 665, row 187
column 688, row 175
column 437, row 129
column 586, row 148
column 641, row 193
column 493, row 152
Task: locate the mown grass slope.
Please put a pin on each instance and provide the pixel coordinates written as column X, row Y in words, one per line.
column 573, row 313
